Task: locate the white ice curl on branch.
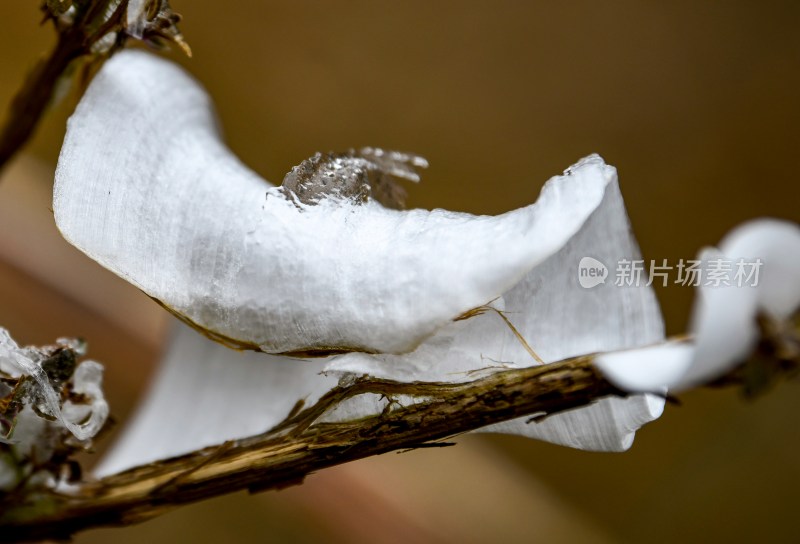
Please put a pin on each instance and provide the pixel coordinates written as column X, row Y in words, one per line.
column 724, row 322
column 146, row 188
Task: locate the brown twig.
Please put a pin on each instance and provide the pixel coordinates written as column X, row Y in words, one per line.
column 90, row 22
column 302, row 445
column 34, row 96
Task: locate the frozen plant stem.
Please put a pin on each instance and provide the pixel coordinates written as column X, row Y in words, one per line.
column 32, row 99
column 301, row 445
column 94, row 22
column 37, row 91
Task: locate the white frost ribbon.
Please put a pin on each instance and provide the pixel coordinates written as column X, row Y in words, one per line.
column 145, row 187
column 723, row 327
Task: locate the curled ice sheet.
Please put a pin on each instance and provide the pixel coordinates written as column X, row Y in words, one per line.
column 724, row 316
column 145, row 187
column 558, row 318
column 205, row 394
column 247, row 393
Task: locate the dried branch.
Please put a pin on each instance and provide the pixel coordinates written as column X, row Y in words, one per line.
column 89, row 30
column 302, row 444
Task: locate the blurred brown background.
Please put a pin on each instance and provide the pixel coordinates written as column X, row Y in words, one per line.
column 695, row 102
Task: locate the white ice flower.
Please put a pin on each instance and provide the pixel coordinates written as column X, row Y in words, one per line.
column 724, row 323
column 145, row 187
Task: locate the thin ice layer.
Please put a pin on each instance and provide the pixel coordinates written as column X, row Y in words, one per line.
column 205, row 394
column 145, row 187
